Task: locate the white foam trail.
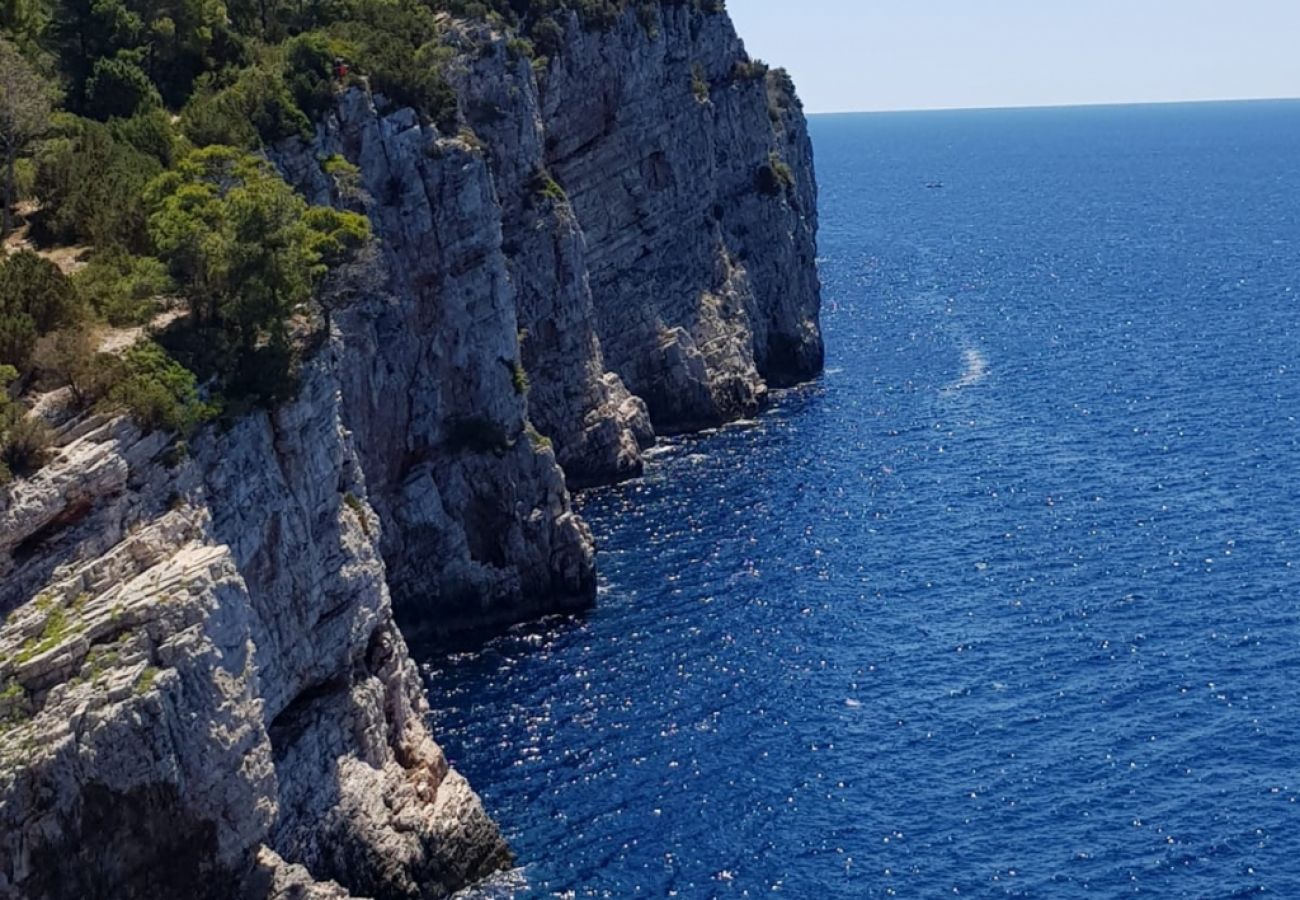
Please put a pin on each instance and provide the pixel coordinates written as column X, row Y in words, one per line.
column 976, row 370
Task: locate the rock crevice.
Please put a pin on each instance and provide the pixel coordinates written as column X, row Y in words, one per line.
column 203, row 687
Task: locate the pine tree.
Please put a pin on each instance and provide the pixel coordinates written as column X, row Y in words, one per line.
column 25, row 103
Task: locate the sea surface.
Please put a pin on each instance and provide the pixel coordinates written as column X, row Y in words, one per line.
column 1006, row 604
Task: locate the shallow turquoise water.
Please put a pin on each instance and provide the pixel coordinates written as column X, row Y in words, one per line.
column 1007, row 604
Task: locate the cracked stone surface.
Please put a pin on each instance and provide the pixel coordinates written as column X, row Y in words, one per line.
column 204, row 691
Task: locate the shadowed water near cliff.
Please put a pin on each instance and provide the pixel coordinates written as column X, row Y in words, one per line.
column 1008, row 603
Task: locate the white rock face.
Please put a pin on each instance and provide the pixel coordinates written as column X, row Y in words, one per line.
column 224, row 686
column 598, row 427
column 203, row 691
column 476, row 523
column 690, row 170
column 675, row 252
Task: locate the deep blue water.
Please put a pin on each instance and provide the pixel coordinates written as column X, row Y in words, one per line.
column 1008, row 604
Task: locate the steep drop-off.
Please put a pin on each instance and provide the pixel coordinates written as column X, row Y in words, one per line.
column 202, row 687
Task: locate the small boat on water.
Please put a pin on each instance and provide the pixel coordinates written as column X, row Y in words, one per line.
column 932, row 185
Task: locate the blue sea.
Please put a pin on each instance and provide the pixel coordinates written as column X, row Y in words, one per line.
column 1007, row 603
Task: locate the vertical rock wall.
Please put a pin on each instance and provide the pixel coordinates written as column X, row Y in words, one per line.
column 203, row 691
column 218, row 704
column 477, row 526
column 689, row 168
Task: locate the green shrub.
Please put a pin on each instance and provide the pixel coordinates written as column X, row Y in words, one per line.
column 17, row 338
column 144, row 684
column 12, row 693
column 775, row 176
column 91, row 186
column 337, row 166
column 150, row 133
column 699, row 84
column 21, row 449
column 246, row 252
column 399, row 48
column 309, row 71
column 346, row 177
column 255, row 110
column 548, row 37
column 333, row 235
column 119, row 88
column 122, row 288
column 24, row 178
column 521, row 48
column 71, row 358
column 24, row 442
column 519, row 377
column 35, row 299
column 542, row 186
column 158, row 392
column 539, row 441
column 749, row 70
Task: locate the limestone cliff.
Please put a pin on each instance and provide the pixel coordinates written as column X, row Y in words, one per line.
column 689, row 168
column 660, row 213
column 475, row 515
column 208, row 679
column 203, row 691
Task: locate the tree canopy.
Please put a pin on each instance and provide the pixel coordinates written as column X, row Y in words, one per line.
column 246, row 250
column 25, row 101
column 136, row 127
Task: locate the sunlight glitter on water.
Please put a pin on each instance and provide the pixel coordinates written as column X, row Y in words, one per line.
column 1037, row 636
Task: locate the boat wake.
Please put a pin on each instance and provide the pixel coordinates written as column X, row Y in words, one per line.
column 976, row 369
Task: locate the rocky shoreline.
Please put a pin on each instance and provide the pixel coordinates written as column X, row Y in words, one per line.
column 203, row 688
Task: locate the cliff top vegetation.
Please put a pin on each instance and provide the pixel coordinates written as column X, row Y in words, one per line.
column 134, row 194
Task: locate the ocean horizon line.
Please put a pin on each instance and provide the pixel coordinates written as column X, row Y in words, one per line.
column 1030, row 107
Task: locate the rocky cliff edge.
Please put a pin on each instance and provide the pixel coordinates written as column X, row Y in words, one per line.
column 203, row 692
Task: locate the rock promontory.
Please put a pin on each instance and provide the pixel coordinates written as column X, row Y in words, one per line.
column 204, row 690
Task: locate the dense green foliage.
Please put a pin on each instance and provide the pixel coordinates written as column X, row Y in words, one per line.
column 246, row 251
column 134, row 127
column 91, row 183
column 124, row 289
column 146, row 172
column 253, row 109
column 121, row 58
column 159, row 392
column 25, row 101
column 35, row 299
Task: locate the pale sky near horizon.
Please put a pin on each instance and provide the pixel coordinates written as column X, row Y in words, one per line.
column 859, row 55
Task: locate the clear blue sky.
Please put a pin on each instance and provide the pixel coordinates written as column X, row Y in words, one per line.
column 932, row 54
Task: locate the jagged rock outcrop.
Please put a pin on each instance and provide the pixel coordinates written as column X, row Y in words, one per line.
column 598, row 427
column 203, row 691
column 223, row 685
column 659, row 209
column 477, row 527
column 681, row 263
column 689, row 168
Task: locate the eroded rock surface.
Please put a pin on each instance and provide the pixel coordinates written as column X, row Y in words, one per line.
column 203, row 689
column 477, row 527
column 690, row 170
column 224, row 682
